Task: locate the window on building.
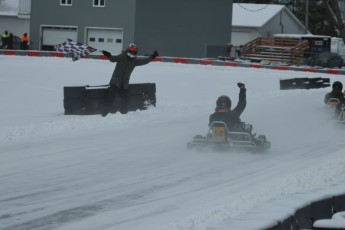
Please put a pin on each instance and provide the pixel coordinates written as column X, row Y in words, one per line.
column 66, row 2
column 99, row 3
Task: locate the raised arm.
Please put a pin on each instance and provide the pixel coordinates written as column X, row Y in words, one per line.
column 144, row 61
column 111, row 57
column 242, row 101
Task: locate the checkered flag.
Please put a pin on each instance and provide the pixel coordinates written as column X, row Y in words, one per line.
column 77, row 49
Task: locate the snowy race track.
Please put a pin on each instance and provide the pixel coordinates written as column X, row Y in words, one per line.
column 131, row 172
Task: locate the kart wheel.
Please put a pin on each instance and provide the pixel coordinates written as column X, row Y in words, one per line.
column 198, row 137
column 268, row 145
column 262, row 138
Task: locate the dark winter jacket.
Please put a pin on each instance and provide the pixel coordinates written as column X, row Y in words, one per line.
column 231, row 117
column 5, row 40
column 10, row 42
column 124, row 68
column 335, row 94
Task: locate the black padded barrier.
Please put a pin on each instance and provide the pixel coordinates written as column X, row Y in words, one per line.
column 304, row 83
column 305, row 217
column 339, row 203
column 88, row 100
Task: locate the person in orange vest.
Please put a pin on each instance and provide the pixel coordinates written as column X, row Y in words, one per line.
column 24, row 40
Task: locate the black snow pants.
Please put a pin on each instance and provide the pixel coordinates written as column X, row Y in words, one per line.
column 117, row 98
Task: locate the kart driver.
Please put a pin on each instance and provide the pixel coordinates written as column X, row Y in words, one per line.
column 337, row 93
column 223, row 110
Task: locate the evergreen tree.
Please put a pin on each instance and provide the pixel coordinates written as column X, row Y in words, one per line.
column 319, row 17
column 335, row 17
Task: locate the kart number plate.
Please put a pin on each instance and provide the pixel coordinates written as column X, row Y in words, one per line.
column 218, row 133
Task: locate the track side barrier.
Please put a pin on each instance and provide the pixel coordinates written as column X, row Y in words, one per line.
column 181, row 60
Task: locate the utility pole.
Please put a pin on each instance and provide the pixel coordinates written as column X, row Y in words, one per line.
column 306, row 16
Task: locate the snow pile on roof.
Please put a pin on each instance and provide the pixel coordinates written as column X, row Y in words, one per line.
column 9, row 7
column 253, row 15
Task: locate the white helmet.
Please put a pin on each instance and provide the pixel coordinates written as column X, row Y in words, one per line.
column 132, row 50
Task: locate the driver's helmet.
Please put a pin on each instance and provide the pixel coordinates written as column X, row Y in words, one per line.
column 337, row 85
column 132, row 50
column 223, row 102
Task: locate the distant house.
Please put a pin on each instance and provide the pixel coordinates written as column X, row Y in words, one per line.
column 15, row 16
column 250, row 21
column 180, row 28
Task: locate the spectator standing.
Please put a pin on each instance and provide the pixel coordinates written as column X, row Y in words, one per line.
column 229, row 49
column 10, row 41
column 24, row 41
column 239, row 51
column 5, row 39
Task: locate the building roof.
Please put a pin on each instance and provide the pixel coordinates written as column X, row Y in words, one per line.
column 9, row 7
column 254, row 15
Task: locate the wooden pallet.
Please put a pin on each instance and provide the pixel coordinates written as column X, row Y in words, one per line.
column 275, row 50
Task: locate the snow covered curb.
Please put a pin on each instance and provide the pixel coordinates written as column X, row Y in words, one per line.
column 321, row 209
column 337, row 222
column 35, row 53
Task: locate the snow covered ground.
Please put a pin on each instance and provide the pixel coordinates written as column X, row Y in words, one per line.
column 133, row 171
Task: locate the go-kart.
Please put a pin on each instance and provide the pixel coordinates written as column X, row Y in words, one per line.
column 335, row 110
column 220, row 138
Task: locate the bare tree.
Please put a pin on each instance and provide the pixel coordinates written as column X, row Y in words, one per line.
column 333, row 8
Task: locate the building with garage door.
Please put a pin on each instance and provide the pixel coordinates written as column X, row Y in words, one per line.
column 251, row 21
column 179, row 28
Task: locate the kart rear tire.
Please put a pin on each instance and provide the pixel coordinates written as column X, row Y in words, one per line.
column 262, row 138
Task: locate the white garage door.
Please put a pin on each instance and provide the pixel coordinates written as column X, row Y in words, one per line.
column 52, row 36
column 105, row 39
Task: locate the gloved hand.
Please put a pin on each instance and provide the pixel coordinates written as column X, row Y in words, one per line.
column 106, row 53
column 154, row 55
column 241, row 85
